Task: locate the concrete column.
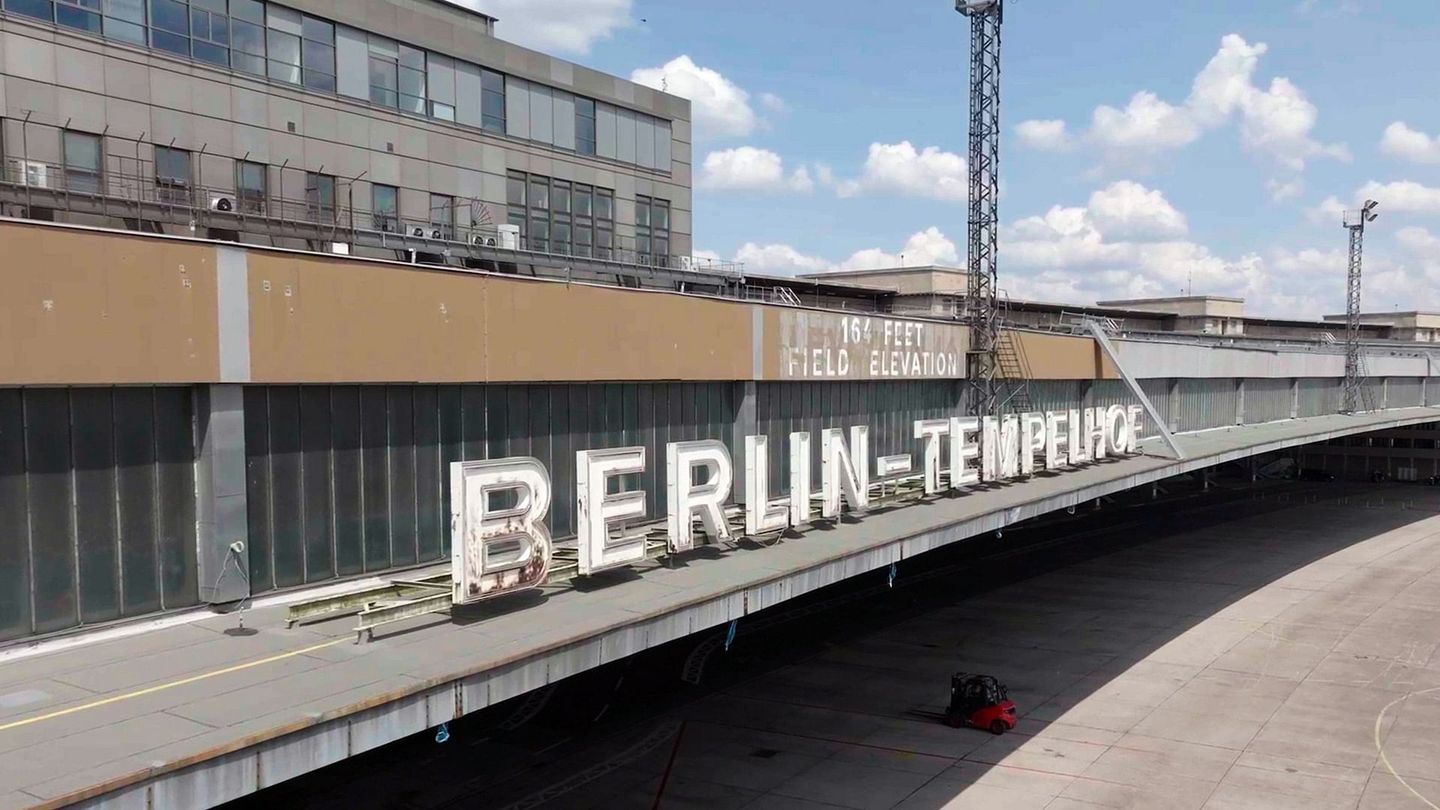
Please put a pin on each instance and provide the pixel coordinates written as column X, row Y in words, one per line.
column 1174, row 415
column 1240, row 401
column 745, row 425
column 1294, row 397
column 222, row 528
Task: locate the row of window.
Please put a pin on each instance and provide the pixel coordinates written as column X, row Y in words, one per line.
column 284, row 45
column 557, row 216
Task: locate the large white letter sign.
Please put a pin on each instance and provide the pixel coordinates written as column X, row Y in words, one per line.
column 799, row 478
column 498, row 549
column 1057, row 439
column 1032, row 440
column 1000, row 448
column 932, row 431
column 1075, row 441
column 1117, row 431
column 1133, row 425
column 596, row 508
column 1094, row 433
column 844, row 471
column 706, row 499
column 761, row 516
column 964, row 451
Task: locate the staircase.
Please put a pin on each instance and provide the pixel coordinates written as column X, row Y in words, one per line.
column 1012, row 368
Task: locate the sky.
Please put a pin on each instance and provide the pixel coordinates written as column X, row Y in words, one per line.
column 1147, row 149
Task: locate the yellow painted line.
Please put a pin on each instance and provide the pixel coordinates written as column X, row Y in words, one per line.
column 150, row 690
column 1379, row 719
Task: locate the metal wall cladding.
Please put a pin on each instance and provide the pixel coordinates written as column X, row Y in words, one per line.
column 1432, row 393
column 1318, row 396
column 1055, row 395
column 889, row 409
column 1267, row 400
column 351, row 479
column 1405, row 392
column 97, row 505
column 1206, row 403
column 1104, row 393
column 1374, row 393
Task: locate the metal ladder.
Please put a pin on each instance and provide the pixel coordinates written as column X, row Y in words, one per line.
column 1013, row 368
column 785, row 295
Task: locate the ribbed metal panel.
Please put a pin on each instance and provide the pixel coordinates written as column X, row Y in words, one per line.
column 1158, row 392
column 1055, row 395
column 1267, row 400
column 1206, row 403
column 1432, row 392
column 1104, row 393
column 1319, row 396
column 1404, row 392
column 345, row 479
column 97, row 505
column 888, row 408
column 1375, row 391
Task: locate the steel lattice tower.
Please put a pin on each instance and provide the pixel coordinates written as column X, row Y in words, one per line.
column 981, row 310
column 1355, row 396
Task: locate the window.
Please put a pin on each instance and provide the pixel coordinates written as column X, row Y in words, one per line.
column 652, row 231
column 442, row 215
column 125, row 20
column 320, row 196
column 384, row 76
column 81, row 14
column 558, row 216
column 172, row 175
column 282, row 44
column 210, row 31
column 43, row 9
column 412, row 80
column 492, row 100
column 317, row 54
column 584, row 126
column 250, row 186
column 82, row 161
column 170, row 26
column 385, row 205
column 247, row 36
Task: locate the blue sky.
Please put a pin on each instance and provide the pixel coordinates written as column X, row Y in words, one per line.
column 1147, row 146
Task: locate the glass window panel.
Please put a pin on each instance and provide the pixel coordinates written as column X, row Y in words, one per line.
column 642, row 212
column 412, row 83
column 382, row 47
column 279, row 18
column 660, row 220
column 604, row 205
column 320, row 194
column 251, row 10
column 442, row 111
column 172, row 165
column 515, row 190
column 168, row 15
column 539, row 233
column 284, row 52
column 82, row 161
column 539, row 192
column 322, row 82
column 560, row 235
column 250, row 183
column 209, row 5
column 317, row 30
column 385, row 205
column 214, row 54
column 124, row 31
column 173, row 43
column 560, row 198
column 247, row 63
column 413, row 58
column 43, row 9
column 247, row 37
column 582, row 201
column 81, row 14
column 492, row 100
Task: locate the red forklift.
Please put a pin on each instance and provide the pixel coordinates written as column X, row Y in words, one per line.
column 979, row 701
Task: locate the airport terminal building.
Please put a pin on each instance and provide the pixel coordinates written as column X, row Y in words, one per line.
column 272, row 267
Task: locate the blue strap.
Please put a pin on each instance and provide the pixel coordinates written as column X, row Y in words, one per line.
column 893, row 572
column 443, row 733
column 730, row 634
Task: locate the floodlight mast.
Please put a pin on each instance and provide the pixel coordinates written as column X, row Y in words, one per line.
column 1355, row 397
column 981, row 304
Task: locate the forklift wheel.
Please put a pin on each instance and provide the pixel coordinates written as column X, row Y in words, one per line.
column 997, row 727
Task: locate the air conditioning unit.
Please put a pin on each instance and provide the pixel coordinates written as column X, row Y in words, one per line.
column 687, row 262
column 222, row 202
column 417, row 232
column 509, row 236
column 31, row 173
column 437, row 234
column 481, row 240
column 340, row 248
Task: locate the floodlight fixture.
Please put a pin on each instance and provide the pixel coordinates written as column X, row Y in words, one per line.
column 971, row 8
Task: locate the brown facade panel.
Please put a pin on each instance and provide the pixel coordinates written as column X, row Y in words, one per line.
column 80, row 307
column 1060, row 357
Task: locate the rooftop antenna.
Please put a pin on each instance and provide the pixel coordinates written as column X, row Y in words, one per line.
column 1356, row 397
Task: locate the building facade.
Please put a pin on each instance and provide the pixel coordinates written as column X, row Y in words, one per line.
column 322, row 123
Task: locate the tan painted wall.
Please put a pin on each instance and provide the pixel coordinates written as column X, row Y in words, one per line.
column 1061, row 357
column 88, row 308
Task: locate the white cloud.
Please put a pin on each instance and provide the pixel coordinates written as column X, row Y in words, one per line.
column 1329, row 212
column 1046, row 136
column 1402, row 196
column 901, row 169
column 720, row 107
column 747, row 168
column 1128, row 211
column 773, row 103
column 1403, row 142
column 572, row 26
column 1275, row 121
column 929, row 246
